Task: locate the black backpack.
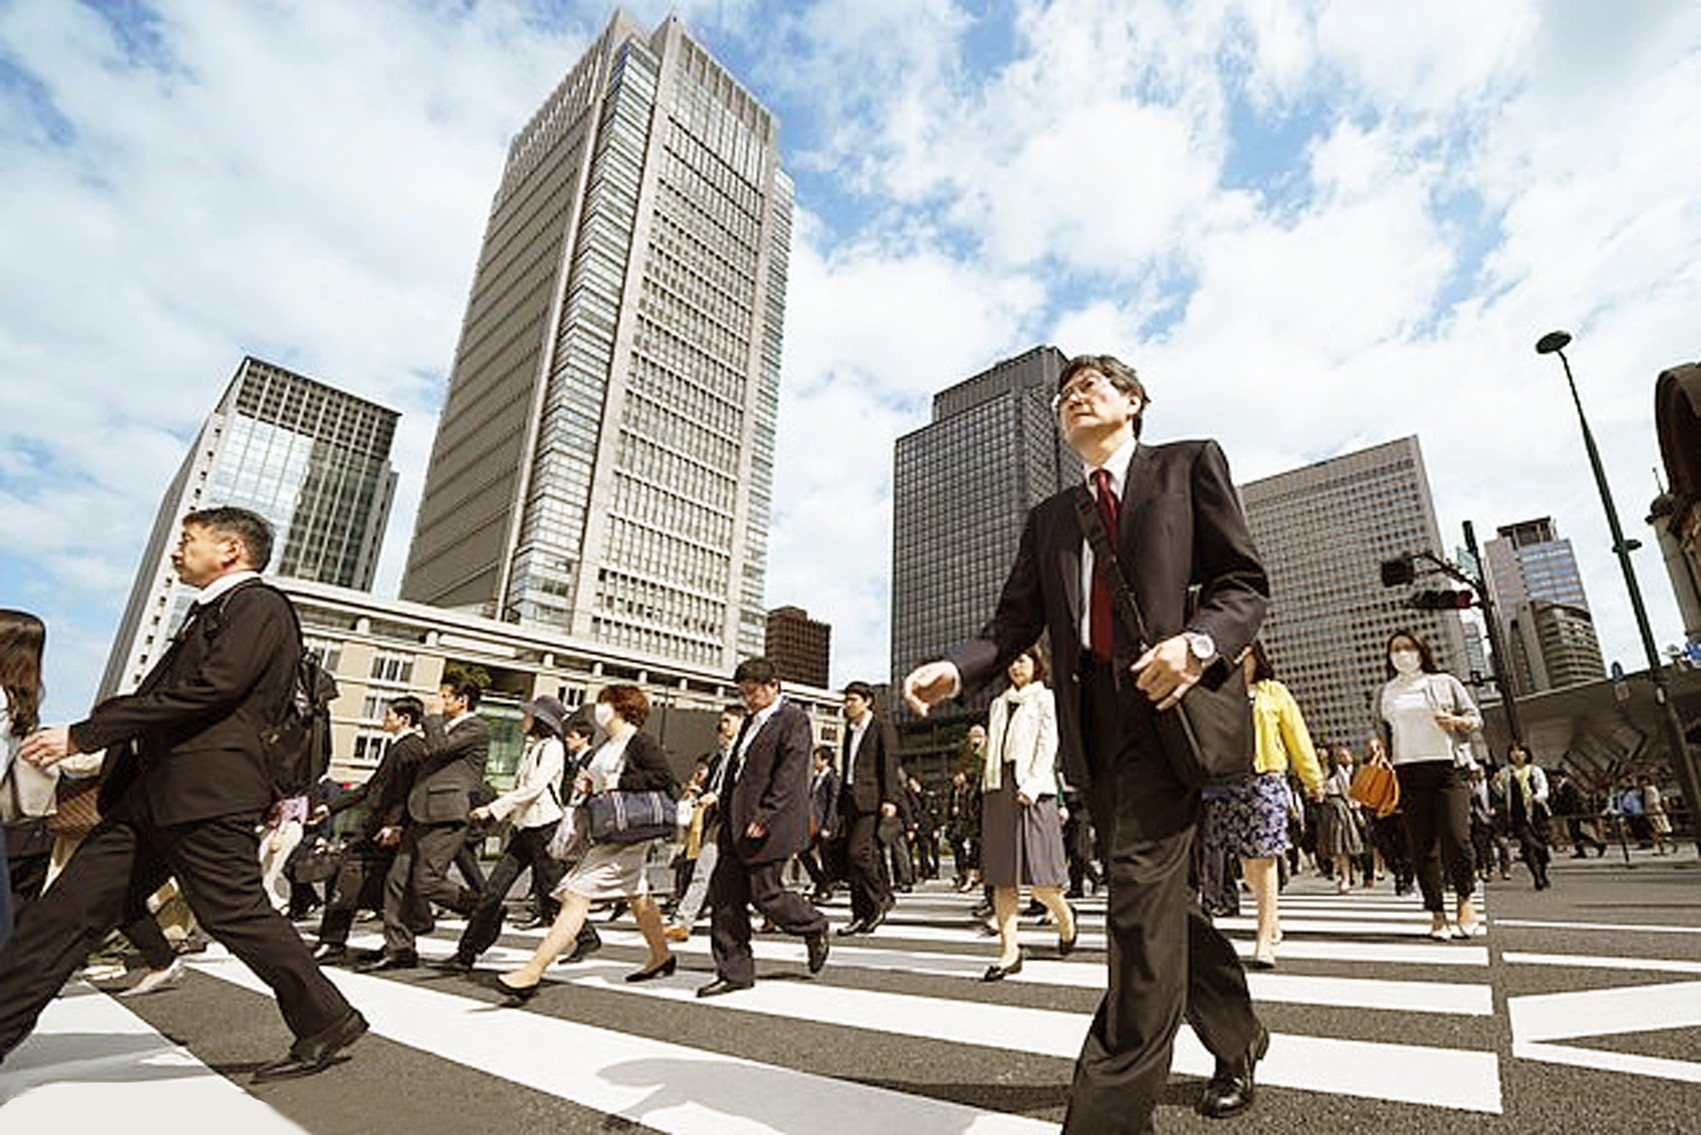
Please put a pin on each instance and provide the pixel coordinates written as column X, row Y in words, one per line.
column 297, row 744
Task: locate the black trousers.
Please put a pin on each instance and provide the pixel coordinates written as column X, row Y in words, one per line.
column 358, row 885
column 735, row 887
column 1436, row 799
column 865, row 868
column 418, row 877
column 125, row 859
column 1167, row 962
column 527, row 850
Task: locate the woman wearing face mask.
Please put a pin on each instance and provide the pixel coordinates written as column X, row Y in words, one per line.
column 633, row 762
column 1424, row 710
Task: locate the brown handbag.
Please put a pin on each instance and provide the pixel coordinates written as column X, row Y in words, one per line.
column 1376, row 787
column 75, row 813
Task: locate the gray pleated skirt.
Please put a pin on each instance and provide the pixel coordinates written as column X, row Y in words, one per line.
column 1021, row 846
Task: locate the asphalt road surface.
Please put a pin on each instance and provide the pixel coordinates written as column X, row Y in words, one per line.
column 1580, row 1011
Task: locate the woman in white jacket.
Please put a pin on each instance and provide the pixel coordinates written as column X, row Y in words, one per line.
column 1021, row 835
column 534, row 806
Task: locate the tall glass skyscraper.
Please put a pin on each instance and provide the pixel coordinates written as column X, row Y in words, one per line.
column 961, row 487
column 1544, row 615
column 604, row 461
column 311, row 459
column 1323, row 532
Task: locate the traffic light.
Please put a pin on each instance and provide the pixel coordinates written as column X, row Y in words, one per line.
column 1398, row 572
column 1443, row 600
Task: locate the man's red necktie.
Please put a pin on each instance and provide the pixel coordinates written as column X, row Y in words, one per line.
column 1101, row 623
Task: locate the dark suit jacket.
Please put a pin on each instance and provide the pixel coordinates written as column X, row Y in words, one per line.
column 1180, row 528
column 824, row 801
column 188, row 740
column 772, row 789
column 451, row 770
column 874, row 775
column 386, row 791
column 646, row 767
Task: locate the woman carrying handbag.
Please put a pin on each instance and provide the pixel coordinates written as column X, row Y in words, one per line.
column 629, row 761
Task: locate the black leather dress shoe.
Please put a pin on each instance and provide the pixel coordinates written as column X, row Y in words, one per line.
column 997, row 972
column 1231, row 1090
column 456, row 962
column 331, row 954
column 854, row 926
column 314, row 1053
column 722, row 985
column 583, row 947
column 389, row 962
column 817, row 944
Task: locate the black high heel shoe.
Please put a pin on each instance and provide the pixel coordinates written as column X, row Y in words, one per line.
column 996, row 972
column 661, row 969
column 516, row 994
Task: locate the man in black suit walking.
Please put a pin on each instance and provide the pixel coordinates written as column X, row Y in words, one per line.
column 182, row 790
column 457, row 742
column 1182, row 540
column 764, row 822
column 868, row 795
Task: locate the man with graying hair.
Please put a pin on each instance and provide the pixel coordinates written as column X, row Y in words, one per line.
column 183, row 788
column 1172, row 518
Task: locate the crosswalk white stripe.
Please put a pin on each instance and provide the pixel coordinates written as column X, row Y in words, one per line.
column 90, row 1060
column 1610, row 927
column 1581, row 961
column 670, row 1087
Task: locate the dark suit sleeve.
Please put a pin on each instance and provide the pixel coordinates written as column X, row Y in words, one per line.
column 443, row 746
column 1016, row 624
column 779, row 780
column 646, row 768
column 256, row 627
column 1234, row 590
column 892, row 789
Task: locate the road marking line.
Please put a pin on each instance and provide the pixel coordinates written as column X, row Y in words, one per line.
column 1581, row 961
column 1539, row 1020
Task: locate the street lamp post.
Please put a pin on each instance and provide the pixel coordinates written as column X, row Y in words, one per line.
column 1554, row 343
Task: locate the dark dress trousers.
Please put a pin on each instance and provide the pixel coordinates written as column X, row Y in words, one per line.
column 438, row 806
column 359, row 883
column 1180, row 531
column 769, row 785
column 873, row 781
column 182, row 790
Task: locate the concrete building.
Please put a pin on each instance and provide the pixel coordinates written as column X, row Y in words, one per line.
column 379, row 649
column 1323, row 531
column 311, row 459
column 800, row 647
column 1545, row 621
column 603, row 466
column 961, row 486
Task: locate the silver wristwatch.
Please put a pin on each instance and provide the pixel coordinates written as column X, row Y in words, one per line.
column 1203, row 646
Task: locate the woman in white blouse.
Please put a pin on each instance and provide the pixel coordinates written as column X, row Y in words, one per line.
column 1428, row 714
column 1021, row 834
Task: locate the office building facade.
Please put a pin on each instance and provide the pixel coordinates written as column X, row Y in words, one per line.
column 312, row 460
column 1323, row 532
column 961, row 487
column 1544, row 614
column 604, row 461
column 800, row 647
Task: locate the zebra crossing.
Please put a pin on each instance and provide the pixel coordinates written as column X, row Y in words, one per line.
column 897, row 1035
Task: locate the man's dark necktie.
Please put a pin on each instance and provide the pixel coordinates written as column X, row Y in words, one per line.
column 1101, row 622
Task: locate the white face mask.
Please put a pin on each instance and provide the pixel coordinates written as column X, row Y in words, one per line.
column 1405, row 661
column 604, row 714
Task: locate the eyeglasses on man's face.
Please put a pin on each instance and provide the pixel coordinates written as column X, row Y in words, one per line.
column 1086, row 383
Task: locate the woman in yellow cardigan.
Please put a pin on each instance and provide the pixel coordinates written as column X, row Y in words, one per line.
column 1283, row 741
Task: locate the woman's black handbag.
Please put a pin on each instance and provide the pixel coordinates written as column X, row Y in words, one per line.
column 621, row 816
column 1207, row 736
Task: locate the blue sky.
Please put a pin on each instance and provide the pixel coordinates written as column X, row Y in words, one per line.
column 1313, row 227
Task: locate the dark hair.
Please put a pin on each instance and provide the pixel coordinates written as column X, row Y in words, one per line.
column 579, row 727
column 1262, row 671
column 824, row 753
column 735, row 709
column 628, row 702
column 1118, row 373
column 861, row 689
column 758, row 670
column 23, row 637
column 409, row 707
column 466, row 689
column 1041, row 669
column 232, row 523
column 1426, row 660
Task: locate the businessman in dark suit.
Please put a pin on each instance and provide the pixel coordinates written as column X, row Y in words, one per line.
column 764, row 822
column 359, row 883
column 868, row 796
column 457, row 742
column 1182, row 540
column 182, row 790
